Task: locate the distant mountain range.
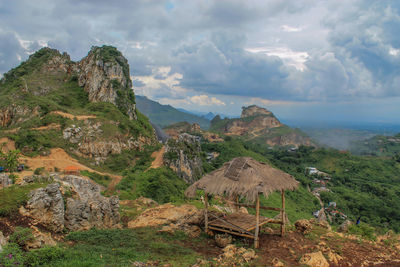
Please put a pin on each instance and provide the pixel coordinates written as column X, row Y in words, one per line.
column 164, row 115
column 206, row 115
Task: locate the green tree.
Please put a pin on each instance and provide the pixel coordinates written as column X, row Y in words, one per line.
column 11, row 159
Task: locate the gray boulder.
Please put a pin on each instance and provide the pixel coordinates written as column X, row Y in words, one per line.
column 88, row 208
column 46, row 207
column 5, row 180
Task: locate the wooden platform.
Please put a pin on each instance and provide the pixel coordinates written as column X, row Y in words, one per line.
column 237, row 223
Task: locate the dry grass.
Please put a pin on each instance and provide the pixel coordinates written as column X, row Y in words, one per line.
column 245, row 180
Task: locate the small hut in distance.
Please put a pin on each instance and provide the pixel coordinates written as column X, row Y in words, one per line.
column 244, row 178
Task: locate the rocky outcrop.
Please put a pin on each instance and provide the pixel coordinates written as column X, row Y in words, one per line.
column 104, row 74
column 13, row 114
column 46, row 206
column 254, row 111
column 5, row 180
column 183, row 155
column 101, row 149
column 260, row 126
column 88, row 208
column 315, row 259
column 3, row 241
column 235, row 256
column 303, row 226
column 168, row 214
column 40, row 239
column 92, row 144
column 85, row 206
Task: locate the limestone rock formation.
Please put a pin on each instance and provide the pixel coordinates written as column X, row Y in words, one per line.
column 5, row 180
column 91, row 143
column 46, row 206
column 254, row 111
column 3, row 241
column 13, row 114
column 104, row 74
column 183, row 156
column 303, row 226
column 86, row 208
column 167, row 214
column 260, row 126
column 40, row 239
column 315, row 259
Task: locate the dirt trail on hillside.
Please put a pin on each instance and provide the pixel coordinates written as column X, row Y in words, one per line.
column 158, row 161
column 71, row 116
column 58, row 158
column 51, row 126
column 6, row 144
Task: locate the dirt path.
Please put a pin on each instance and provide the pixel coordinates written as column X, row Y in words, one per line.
column 51, row 126
column 158, row 161
column 6, row 144
column 59, row 159
column 115, row 180
column 71, row 116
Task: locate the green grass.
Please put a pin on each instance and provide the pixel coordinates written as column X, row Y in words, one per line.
column 13, row 197
column 103, row 180
column 124, row 247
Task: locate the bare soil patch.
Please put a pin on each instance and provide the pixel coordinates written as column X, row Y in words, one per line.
column 71, row 116
column 6, row 144
column 158, row 158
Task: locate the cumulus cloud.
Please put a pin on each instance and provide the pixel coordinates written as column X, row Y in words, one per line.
column 205, row 100
column 198, row 52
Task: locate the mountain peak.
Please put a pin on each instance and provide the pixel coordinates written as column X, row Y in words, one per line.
column 254, row 110
column 104, row 74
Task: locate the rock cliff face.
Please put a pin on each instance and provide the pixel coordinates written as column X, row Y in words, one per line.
column 46, row 206
column 253, row 111
column 183, row 155
column 13, row 114
column 88, row 208
column 92, row 144
column 104, row 73
column 85, row 206
column 261, row 126
column 47, row 86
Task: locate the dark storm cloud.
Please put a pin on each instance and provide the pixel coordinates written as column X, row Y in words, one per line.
column 352, row 46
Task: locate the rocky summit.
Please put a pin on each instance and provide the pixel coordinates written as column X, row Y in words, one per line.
column 259, row 125
column 87, row 107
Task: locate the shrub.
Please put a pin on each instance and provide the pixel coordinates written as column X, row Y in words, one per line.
column 11, row 255
column 43, row 256
column 38, row 171
column 21, row 236
column 363, row 230
column 12, row 197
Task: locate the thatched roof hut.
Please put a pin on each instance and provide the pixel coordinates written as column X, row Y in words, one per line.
column 244, row 177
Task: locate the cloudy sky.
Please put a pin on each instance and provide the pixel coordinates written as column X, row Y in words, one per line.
column 303, row 59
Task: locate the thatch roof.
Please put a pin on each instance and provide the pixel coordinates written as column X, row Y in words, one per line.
column 243, row 177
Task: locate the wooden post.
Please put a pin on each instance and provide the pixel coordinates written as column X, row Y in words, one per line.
column 237, row 202
column 257, row 222
column 283, row 214
column 206, row 212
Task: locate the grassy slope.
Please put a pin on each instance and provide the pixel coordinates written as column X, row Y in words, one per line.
column 65, row 95
column 379, row 145
column 218, row 125
column 366, row 186
column 164, row 115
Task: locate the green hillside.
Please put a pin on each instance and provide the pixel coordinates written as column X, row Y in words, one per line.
column 379, row 145
column 47, row 82
column 164, row 115
column 361, row 186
